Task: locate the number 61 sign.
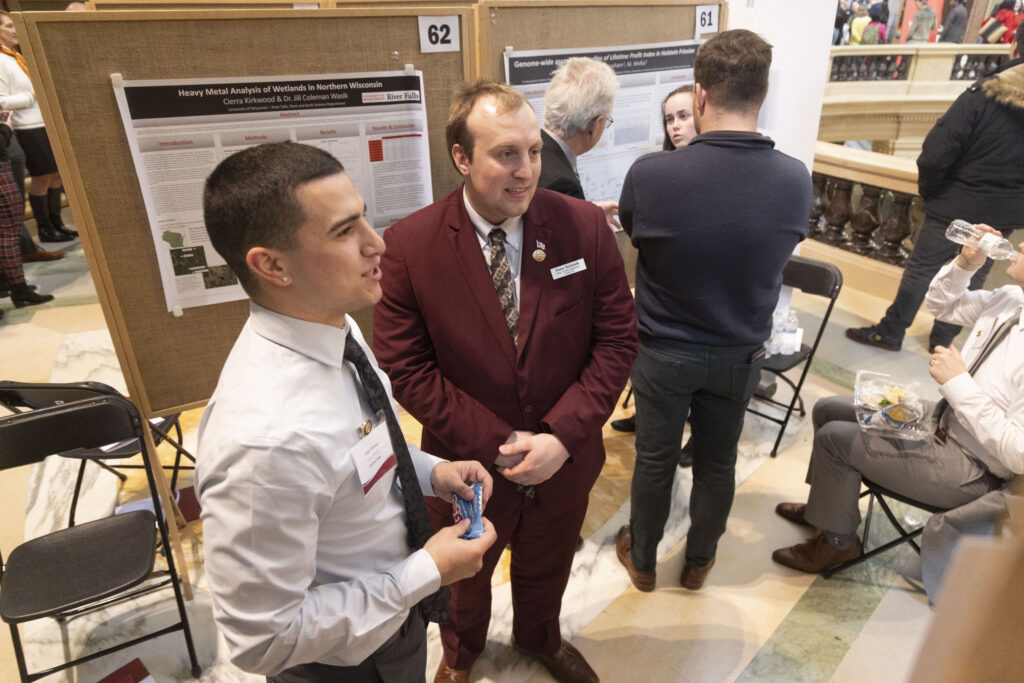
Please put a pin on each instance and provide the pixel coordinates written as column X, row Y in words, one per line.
column 439, row 34
column 706, row 20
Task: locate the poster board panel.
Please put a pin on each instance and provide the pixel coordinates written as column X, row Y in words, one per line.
column 526, row 25
column 172, row 363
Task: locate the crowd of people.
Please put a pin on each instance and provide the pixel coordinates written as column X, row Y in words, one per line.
column 330, row 542
column 24, row 145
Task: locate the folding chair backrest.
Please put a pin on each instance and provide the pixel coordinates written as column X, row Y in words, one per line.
column 812, row 277
column 16, row 396
column 30, row 437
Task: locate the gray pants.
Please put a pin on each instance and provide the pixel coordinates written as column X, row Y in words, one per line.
column 938, row 474
column 401, row 659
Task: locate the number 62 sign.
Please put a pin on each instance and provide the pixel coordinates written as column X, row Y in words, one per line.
column 439, row 34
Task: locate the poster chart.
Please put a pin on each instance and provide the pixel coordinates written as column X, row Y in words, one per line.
column 178, row 131
column 647, row 73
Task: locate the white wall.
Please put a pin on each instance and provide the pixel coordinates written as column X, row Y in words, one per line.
column 800, row 32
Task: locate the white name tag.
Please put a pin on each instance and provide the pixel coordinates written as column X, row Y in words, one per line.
column 568, row 268
column 373, row 456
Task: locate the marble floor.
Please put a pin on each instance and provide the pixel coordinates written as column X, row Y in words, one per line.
column 754, row 620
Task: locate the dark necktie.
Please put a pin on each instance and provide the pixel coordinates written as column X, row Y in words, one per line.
column 433, row 607
column 501, row 273
column 993, row 341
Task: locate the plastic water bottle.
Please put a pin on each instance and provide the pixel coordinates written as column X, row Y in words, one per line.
column 993, row 246
column 788, row 340
column 771, row 346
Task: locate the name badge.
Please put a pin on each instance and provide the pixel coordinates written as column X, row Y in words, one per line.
column 569, row 268
column 373, row 456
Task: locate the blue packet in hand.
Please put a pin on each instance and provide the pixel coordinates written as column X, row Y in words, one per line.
column 471, row 510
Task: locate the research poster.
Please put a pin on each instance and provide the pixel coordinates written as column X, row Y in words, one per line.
column 178, row 131
column 647, row 73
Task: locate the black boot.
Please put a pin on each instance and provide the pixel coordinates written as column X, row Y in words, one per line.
column 22, row 295
column 41, row 212
column 53, row 199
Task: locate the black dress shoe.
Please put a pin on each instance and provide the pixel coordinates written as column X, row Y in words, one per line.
column 872, row 337
column 626, row 424
column 22, row 295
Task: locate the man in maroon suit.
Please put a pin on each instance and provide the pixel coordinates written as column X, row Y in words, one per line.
column 508, row 331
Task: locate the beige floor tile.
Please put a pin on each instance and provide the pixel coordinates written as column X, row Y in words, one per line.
column 71, row 318
column 27, row 352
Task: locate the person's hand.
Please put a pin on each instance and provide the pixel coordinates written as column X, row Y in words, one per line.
column 972, row 258
column 543, row 455
column 459, row 558
column 611, row 211
column 946, row 363
column 458, row 477
column 504, row 461
column 5, row 118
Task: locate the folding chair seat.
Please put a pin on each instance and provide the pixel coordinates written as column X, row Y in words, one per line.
column 876, row 492
column 93, row 565
column 20, row 396
column 811, row 277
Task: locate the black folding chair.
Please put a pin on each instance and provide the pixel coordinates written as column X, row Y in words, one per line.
column 93, row 565
column 811, row 277
column 876, row 492
column 20, row 396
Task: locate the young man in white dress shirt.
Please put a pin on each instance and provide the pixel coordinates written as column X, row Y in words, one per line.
column 307, row 555
column 979, row 439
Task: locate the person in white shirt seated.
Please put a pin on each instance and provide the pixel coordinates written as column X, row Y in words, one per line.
column 317, row 556
column 979, row 423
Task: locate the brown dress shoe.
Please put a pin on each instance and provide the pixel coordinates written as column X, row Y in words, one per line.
column 567, row 665
column 816, row 554
column 446, row 674
column 794, row 512
column 644, row 581
column 693, row 577
column 41, row 255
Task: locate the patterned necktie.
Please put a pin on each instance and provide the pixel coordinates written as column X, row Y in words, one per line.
column 501, row 273
column 993, row 341
column 433, row 607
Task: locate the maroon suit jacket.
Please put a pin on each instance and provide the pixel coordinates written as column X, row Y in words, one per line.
column 440, row 335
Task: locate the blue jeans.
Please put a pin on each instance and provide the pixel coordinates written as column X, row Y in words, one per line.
column 670, row 381
column 931, row 251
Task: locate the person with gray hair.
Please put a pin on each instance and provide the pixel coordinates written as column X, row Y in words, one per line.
column 577, row 109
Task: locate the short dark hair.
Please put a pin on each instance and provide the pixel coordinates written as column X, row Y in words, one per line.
column 249, row 200
column 732, row 67
column 466, row 97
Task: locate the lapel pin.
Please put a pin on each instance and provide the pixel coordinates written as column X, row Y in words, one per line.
column 539, row 254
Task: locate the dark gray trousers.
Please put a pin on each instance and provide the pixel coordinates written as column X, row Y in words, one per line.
column 939, row 474
column 401, row 659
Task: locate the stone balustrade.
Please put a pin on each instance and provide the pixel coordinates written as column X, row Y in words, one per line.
column 893, row 94
column 864, row 202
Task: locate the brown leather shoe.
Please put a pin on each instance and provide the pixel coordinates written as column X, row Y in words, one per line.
column 446, row 674
column 816, row 554
column 41, row 255
column 794, row 512
column 644, row 581
column 693, row 577
column 567, row 665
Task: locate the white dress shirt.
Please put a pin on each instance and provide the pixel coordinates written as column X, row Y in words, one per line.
column 302, row 566
column 988, row 406
column 513, row 228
